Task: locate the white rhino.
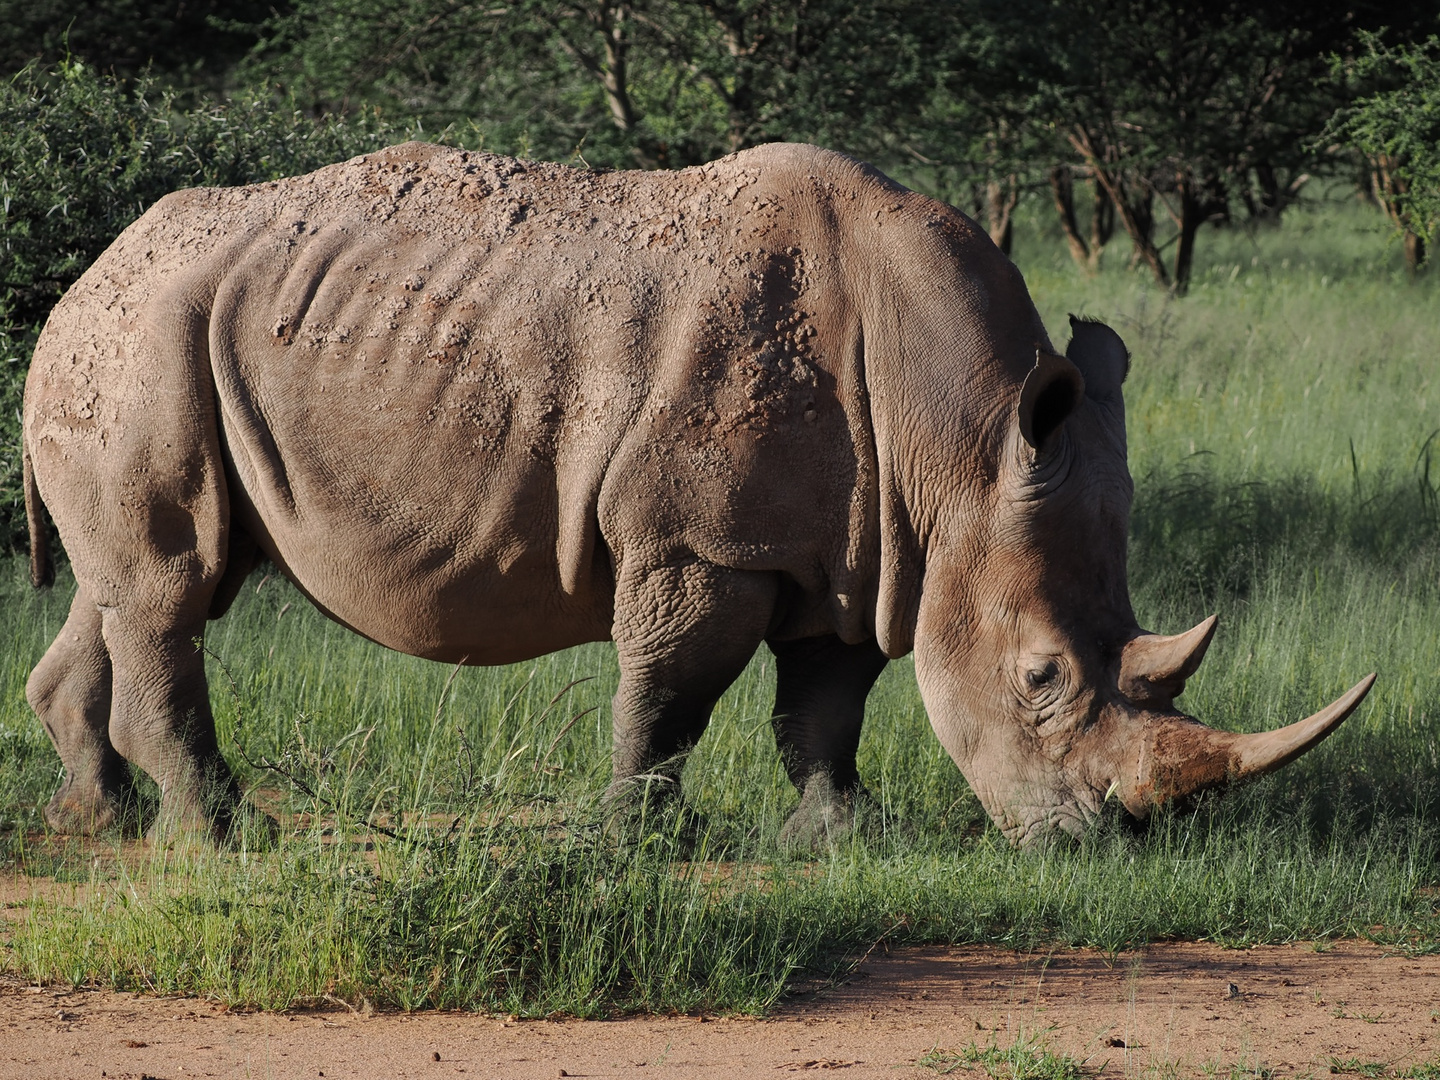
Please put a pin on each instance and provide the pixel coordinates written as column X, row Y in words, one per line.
column 480, row 409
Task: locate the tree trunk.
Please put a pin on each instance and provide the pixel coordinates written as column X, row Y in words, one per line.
column 608, row 19
column 1391, row 193
column 1133, row 208
column 614, row 76
column 1414, row 252
column 1269, row 206
column 1000, row 202
column 1274, row 196
column 1192, row 214
column 1141, row 208
column 1063, row 189
column 1102, row 223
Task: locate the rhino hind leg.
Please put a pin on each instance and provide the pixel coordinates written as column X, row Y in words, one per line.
column 137, row 492
column 160, row 718
column 684, row 634
column 70, row 693
column 820, row 689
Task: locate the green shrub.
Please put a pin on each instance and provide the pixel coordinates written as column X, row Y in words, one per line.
column 1396, row 126
column 83, row 154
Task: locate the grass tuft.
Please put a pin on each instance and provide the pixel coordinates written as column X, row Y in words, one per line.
column 1028, row 1058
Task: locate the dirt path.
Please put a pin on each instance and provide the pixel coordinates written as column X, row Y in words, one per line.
column 1163, row 1012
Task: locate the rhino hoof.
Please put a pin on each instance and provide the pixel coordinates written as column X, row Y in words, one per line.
column 71, row 817
column 75, row 812
column 666, row 822
column 825, row 817
column 638, row 802
column 214, row 816
column 251, row 828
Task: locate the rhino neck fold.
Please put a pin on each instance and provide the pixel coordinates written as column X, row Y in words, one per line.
column 896, row 546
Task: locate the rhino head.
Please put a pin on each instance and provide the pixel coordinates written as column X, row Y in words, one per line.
column 1037, row 678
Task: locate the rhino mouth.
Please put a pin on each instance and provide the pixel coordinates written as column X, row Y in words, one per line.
column 1071, row 821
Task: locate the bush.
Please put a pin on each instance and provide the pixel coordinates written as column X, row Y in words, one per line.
column 1396, row 126
column 82, row 155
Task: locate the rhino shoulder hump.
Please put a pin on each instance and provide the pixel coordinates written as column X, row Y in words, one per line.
column 813, row 162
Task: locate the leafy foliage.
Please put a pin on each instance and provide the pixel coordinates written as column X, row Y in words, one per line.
column 83, row 154
column 1396, row 126
column 190, row 43
column 618, row 82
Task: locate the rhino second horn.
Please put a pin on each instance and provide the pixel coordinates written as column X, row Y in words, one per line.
column 1153, row 668
column 1180, row 757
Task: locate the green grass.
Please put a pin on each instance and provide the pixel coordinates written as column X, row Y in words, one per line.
column 1282, row 422
column 1029, row 1057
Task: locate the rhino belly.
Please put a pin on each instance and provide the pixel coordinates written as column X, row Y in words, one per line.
column 425, row 549
column 484, row 600
column 424, row 455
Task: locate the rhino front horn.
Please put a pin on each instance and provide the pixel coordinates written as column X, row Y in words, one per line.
column 1267, row 751
column 1180, row 757
column 1153, row 668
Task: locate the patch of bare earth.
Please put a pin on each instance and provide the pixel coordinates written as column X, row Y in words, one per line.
column 1167, row 1010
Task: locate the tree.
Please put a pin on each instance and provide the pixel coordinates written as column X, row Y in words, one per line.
column 1086, row 253
column 977, row 139
column 1178, row 109
column 1174, row 105
column 188, row 43
column 1396, row 128
column 621, row 82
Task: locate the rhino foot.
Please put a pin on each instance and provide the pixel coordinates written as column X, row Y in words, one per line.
column 251, row 828
column 636, row 797
column 85, row 809
column 210, row 812
column 826, row 815
column 243, row 827
column 640, row 808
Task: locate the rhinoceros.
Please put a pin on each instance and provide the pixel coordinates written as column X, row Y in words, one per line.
column 480, row 409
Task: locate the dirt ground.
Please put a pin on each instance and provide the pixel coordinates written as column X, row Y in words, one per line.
column 1167, row 1011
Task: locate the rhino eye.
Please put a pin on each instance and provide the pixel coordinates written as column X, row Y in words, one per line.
column 1039, row 678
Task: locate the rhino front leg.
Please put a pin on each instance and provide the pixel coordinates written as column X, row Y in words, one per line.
column 70, row 693
column 684, row 633
column 820, row 690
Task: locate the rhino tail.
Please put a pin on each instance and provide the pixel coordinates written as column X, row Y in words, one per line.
column 42, row 568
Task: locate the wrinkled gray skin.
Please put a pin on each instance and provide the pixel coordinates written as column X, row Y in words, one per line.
column 479, row 410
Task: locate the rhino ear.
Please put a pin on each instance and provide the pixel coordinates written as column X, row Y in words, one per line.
column 1101, row 357
column 1051, row 391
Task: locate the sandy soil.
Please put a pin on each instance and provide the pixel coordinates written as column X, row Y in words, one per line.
column 1169, row 1010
